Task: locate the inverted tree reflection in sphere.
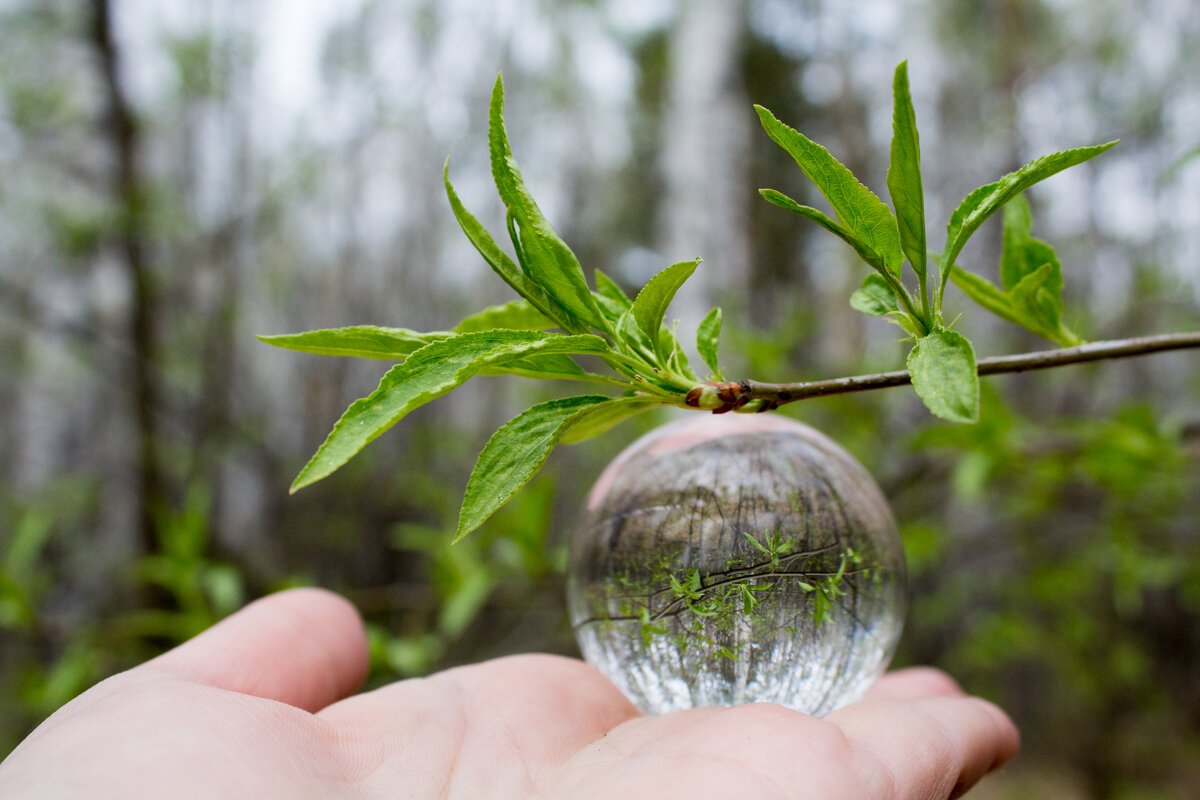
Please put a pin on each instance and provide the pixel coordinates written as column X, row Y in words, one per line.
column 735, row 559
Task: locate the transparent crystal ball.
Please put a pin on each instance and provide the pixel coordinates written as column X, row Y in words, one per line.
column 731, row 559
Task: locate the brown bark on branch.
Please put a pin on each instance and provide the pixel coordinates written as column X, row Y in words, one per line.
column 777, row 394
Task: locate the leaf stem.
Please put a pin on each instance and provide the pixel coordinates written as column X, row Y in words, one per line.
column 902, row 295
column 776, row 394
column 926, row 309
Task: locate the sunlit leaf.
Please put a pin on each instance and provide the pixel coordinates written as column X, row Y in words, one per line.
column 651, row 303
column 429, row 373
column 984, row 201
column 501, row 264
column 359, row 341
column 515, row 453
column 862, row 213
column 708, row 336
column 904, row 173
column 517, row 315
column 867, row 254
column 550, row 263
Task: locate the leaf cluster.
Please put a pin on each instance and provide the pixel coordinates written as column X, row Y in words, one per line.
column 942, row 361
column 559, row 317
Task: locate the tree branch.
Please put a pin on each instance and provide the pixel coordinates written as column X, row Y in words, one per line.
column 776, row 394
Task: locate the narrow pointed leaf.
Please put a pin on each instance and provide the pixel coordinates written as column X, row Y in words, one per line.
column 983, row 202
column 874, row 259
column 517, row 315
column 904, row 173
column 677, row 360
column 958, row 218
column 944, row 373
column 608, row 288
column 429, row 373
column 515, row 453
column 986, row 294
column 550, row 262
column 651, row 303
column 541, row 367
column 708, row 336
column 602, row 418
column 863, row 214
column 634, row 338
column 359, row 341
column 874, row 297
column 499, row 261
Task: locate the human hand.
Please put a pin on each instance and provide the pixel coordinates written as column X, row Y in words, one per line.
column 254, row 708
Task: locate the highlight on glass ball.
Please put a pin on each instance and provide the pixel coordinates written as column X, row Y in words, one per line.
column 733, row 559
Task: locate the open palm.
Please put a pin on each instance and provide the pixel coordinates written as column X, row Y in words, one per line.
column 257, row 707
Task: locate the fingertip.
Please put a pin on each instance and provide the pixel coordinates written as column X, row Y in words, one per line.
column 306, row 647
column 1007, row 735
column 915, row 682
column 340, row 624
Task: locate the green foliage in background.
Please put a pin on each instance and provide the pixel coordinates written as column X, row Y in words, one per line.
column 1077, row 644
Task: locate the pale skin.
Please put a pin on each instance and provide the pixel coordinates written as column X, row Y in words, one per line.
column 260, row 706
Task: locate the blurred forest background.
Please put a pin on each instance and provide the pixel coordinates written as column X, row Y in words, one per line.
column 179, row 177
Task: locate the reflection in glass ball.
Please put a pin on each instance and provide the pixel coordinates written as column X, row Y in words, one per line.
column 734, row 559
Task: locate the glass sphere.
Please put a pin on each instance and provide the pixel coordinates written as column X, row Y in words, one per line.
column 731, row 559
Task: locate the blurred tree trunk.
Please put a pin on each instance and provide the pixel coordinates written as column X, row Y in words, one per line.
column 124, row 139
column 705, row 137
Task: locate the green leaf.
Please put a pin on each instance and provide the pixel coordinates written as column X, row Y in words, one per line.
column 359, row 341
column 677, row 360
column 501, row 264
column 1022, row 255
column 984, row 201
column 601, row 418
column 544, row 367
column 944, row 373
column 429, row 373
column 874, row 297
column 630, row 333
column 611, row 299
column 986, row 294
column 607, row 288
column 517, row 315
column 1020, row 310
column 515, row 453
column 651, row 303
column 910, row 325
column 904, row 173
column 547, row 259
column 1017, row 227
column 833, row 226
column 708, row 336
column 1034, row 297
column 863, row 214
